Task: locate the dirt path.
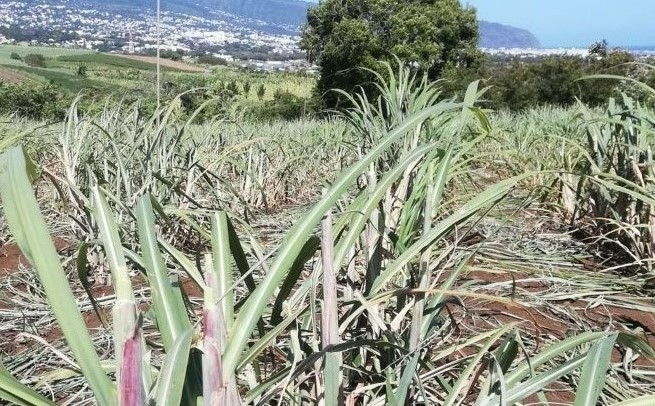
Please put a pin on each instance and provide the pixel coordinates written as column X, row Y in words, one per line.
column 184, row 66
column 10, row 76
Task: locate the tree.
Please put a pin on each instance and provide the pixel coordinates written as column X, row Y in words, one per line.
column 559, row 80
column 599, row 48
column 430, row 35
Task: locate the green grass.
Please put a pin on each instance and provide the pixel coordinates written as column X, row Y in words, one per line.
column 61, row 77
column 105, row 72
column 109, row 75
column 112, row 61
column 48, row 52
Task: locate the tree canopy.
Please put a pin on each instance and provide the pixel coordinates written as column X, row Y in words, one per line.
column 430, row 35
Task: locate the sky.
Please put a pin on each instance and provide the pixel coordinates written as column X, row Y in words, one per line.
column 575, row 22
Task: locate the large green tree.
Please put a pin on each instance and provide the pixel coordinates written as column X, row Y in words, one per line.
column 430, row 35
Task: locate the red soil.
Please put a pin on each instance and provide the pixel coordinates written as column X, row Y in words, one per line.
column 478, row 314
column 9, row 76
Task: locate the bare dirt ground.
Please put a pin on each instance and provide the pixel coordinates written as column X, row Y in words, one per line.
column 9, row 76
column 166, row 62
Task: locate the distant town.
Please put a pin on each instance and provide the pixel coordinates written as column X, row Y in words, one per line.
column 565, row 51
column 132, row 29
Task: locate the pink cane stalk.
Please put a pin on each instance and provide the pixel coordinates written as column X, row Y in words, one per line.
column 130, row 384
column 213, row 328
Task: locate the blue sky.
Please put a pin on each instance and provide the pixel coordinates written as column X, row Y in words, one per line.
column 575, row 22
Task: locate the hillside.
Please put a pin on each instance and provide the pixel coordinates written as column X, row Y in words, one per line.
column 293, row 12
column 284, row 12
column 236, row 20
column 494, row 35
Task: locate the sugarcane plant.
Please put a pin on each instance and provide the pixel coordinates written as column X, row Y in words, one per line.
column 364, row 322
column 614, row 194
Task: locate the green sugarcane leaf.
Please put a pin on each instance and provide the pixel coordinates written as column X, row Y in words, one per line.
column 239, row 255
column 187, row 265
column 12, row 390
column 636, row 343
column 168, row 304
column 362, row 209
column 592, row 378
column 30, row 231
column 491, row 195
column 549, row 353
column 307, row 252
column 536, row 384
column 297, row 236
column 222, row 266
column 648, row 400
column 474, row 363
column 170, row 384
column 406, row 379
column 263, row 342
column 507, row 351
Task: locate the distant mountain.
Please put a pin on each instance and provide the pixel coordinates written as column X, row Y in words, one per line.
column 293, row 13
column 273, row 12
column 494, row 35
column 286, row 12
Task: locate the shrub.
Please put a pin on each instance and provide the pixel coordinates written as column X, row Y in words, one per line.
column 36, row 60
column 211, row 60
column 284, row 105
column 82, row 71
column 28, row 100
column 261, row 91
column 15, row 56
column 172, row 55
column 524, row 84
column 232, row 88
column 518, row 84
column 615, row 62
column 166, row 54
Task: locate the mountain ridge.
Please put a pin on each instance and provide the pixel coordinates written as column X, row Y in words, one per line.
column 291, row 14
column 496, row 35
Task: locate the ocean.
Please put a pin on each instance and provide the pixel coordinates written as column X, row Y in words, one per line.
column 641, row 50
